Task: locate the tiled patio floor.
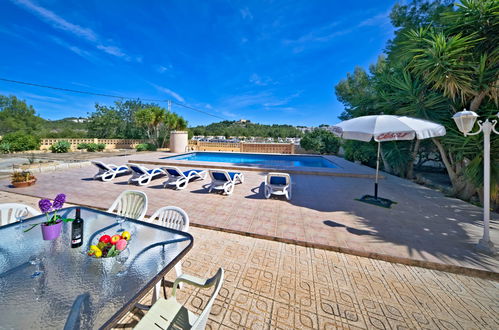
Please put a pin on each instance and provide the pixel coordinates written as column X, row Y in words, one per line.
column 425, row 226
column 273, row 285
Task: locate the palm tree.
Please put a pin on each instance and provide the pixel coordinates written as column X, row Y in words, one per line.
column 462, row 61
column 151, row 119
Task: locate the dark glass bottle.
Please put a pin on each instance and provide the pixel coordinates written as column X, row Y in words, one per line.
column 77, row 230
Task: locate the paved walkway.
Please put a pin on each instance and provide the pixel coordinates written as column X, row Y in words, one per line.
column 273, row 285
column 424, row 227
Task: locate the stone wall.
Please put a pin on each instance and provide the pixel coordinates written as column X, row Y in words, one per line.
column 272, row 148
column 110, row 143
column 268, row 148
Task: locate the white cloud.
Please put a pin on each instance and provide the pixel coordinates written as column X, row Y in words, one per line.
column 112, row 50
column 42, row 97
column 57, row 21
column 81, row 32
column 261, row 81
column 246, row 13
column 379, row 19
column 230, row 114
column 164, row 68
column 256, row 101
column 78, row 51
column 328, row 32
column 168, row 91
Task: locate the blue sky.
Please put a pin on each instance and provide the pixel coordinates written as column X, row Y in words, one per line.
column 267, row 61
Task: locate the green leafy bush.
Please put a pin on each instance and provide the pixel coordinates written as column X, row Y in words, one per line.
column 146, row 147
column 5, row 147
column 364, row 152
column 60, row 146
column 320, row 141
column 92, row 147
column 101, row 146
column 82, row 146
column 19, row 141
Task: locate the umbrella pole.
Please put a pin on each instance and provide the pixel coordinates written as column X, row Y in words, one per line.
column 377, row 170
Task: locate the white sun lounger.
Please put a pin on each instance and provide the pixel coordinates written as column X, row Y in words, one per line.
column 180, row 179
column 108, row 172
column 224, row 180
column 142, row 175
column 278, row 184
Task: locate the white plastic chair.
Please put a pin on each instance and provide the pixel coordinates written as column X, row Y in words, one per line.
column 278, row 184
column 130, row 204
column 9, row 212
column 180, row 179
column 175, row 218
column 224, row 180
column 169, row 314
column 142, row 175
column 108, row 172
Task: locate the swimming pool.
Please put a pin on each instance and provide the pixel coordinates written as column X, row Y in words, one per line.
column 260, row 160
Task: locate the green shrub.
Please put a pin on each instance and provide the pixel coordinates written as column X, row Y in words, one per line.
column 91, row 147
column 320, row 141
column 19, row 141
column 60, row 146
column 82, row 146
column 5, row 147
column 363, row 152
column 101, row 146
column 146, row 147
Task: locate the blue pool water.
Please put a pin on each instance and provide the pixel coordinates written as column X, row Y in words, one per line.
column 261, row 160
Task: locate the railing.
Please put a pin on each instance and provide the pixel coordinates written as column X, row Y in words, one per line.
column 276, row 148
column 110, row 143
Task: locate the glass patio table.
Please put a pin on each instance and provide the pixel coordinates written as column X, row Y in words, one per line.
column 43, row 282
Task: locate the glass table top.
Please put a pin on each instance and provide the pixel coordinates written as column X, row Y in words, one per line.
column 41, row 280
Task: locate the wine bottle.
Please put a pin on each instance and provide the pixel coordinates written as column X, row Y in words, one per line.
column 77, row 230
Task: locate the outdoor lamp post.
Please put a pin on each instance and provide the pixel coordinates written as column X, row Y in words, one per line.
column 465, row 120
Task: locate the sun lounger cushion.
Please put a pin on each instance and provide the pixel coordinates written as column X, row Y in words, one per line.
column 278, row 180
column 219, row 176
column 136, row 169
column 102, row 167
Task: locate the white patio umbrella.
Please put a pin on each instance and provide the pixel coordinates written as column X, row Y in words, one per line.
column 386, row 128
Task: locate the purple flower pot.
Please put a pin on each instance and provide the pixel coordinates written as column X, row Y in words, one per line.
column 51, row 232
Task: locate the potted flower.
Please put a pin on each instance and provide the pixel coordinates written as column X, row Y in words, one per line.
column 22, row 179
column 51, row 229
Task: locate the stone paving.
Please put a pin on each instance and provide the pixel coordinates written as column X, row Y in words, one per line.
column 274, row 285
column 425, row 227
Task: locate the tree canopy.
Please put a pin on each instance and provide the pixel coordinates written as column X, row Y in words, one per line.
column 246, row 129
column 17, row 116
column 443, row 58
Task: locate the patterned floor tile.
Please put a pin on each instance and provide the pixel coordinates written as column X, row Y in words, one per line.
column 273, row 285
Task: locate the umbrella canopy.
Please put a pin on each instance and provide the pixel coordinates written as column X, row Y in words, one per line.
column 387, row 128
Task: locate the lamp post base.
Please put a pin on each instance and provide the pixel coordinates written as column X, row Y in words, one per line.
column 486, row 247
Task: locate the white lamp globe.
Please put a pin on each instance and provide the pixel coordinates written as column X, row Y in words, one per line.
column 465, row 120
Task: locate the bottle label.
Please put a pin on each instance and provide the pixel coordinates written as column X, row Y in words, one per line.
column 76, row 236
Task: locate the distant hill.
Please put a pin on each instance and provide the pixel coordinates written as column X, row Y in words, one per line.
column 65, row 128
column 245, row 128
